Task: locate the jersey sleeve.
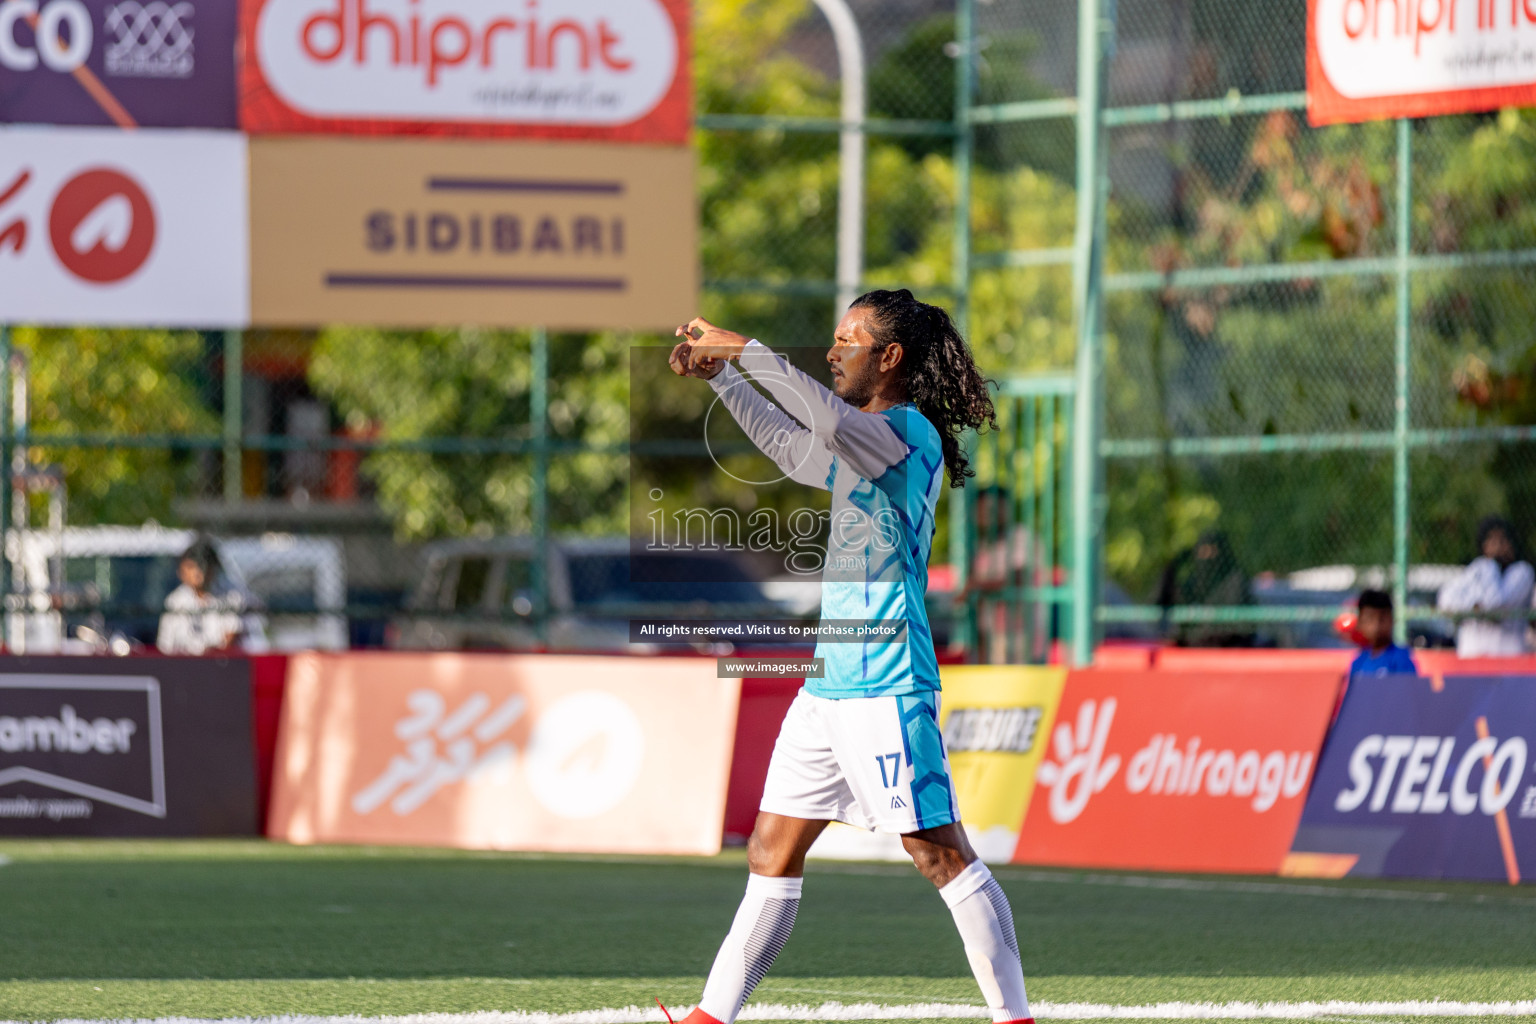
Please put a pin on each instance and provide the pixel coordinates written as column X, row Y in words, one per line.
column 794, row 449
column 866, row 442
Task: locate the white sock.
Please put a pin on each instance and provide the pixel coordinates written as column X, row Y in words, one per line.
column 985, row 921
column 761, row 928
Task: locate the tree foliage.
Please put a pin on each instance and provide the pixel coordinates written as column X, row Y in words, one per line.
column 120, row 384
column 1280, row 358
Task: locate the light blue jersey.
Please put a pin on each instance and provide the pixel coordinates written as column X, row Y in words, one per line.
column 885, row 471
column 877, row 566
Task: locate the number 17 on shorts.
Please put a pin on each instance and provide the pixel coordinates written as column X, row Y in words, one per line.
column 874, row 762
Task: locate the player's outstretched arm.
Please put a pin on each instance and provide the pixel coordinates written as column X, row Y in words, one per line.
column 791, row 447
column 866, row 441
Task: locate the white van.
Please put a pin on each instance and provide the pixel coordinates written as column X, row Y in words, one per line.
column 299, row 582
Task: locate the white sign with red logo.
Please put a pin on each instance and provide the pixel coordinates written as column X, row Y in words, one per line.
column 143, row 228
column 1370, row 59
column 592, row 68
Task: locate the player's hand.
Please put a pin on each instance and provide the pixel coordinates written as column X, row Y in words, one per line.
column 707, row 342
column 681, row 362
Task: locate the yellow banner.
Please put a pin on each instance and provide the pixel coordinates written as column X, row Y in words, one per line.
column 997, row 720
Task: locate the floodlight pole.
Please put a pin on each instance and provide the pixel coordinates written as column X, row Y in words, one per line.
column 850, row 185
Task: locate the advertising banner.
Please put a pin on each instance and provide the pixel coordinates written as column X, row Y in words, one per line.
column 394, row 233
column 126, row 747
column 507, row 752
column 1426, row 778
column 1177, row 772
column 125, row 229
column 996, row 721
column 120, row 63
column 591, row 69
column 1370, row 59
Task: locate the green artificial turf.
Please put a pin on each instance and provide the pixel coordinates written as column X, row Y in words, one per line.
column 212, row 929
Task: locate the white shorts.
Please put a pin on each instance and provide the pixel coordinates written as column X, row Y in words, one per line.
column 874, row 762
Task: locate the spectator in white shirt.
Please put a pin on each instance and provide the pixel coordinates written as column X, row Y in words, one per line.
column 196, row 620
column 1499, row 580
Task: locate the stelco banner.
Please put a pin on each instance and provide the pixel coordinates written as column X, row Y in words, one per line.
column 1417, row 58
column 1177, row 772
column 122, row 63
column 1426, row 779
column 396, row 233
column 100, row 226
column 126, row 747
column 597, row 69
column 996, row 720
column 521, row 752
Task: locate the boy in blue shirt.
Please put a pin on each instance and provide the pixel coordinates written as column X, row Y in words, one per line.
column 1381, row 656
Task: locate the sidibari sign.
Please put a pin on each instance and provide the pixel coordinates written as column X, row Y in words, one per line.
column 391, row 232
column 1415, row 58
column 591, row 68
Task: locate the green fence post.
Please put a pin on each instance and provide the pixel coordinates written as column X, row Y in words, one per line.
column 5, row 495
column 234, row 415
column 1400, row 469
column 538, row 422
column 1087, row 272
column 959, row 509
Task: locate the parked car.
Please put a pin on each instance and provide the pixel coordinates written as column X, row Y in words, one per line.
column 301, row 585
column 478, row 594
column 1335, row 588
column 115, row 579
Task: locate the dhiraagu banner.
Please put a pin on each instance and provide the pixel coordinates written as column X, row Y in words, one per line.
column 996, row 721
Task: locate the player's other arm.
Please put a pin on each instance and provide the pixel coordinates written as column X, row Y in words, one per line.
column 866, row 442
column 791, row 447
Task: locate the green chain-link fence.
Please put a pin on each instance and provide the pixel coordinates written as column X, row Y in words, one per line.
column 1308, row 351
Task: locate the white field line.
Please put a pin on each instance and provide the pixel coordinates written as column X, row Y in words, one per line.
column 1011, row 873
column 1332, row 1010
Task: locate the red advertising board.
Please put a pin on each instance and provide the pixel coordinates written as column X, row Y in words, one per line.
column 1177, row 772
column 509, row 752
column 1370, row 59
column 590, row 69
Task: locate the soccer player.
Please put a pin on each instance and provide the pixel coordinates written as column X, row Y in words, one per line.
column 862, row 745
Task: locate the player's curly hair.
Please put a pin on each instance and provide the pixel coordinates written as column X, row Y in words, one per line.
column 941, row 376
